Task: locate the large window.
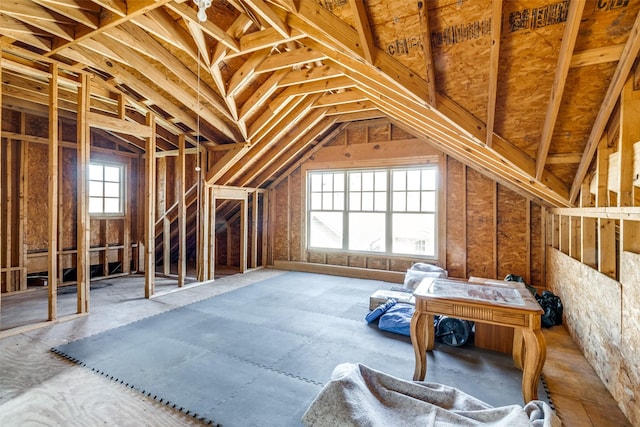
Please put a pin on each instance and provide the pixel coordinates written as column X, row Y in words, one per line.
column 390, row 211
column 106, row 189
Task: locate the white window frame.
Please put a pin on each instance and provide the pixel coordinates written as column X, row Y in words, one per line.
column 122, row 189
column 389, row 211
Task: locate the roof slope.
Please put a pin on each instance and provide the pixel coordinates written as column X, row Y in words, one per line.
column 520, row 90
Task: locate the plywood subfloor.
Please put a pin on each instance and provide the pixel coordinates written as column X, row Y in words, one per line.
column 39, row 388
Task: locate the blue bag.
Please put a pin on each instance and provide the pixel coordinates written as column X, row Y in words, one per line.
column 397, row 319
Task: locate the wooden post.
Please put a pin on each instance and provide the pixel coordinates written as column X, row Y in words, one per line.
column 83, row 257
column 126, row 226
column 150, row 209
column 254, row 230
column 182, row 212
column 244, row 235
column 205, row 232
column 265, row 227
column 8, row 259
column 52, row 262
column 162, row 213
column 588, row 227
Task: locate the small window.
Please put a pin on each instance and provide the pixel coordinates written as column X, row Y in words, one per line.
column 106, row 189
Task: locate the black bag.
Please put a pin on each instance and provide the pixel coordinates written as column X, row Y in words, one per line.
column 552, row 307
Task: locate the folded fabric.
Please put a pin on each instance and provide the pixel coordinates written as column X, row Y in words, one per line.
column 357, row 395
column 397, row 319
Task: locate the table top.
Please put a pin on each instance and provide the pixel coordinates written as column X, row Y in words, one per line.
column 506, row 294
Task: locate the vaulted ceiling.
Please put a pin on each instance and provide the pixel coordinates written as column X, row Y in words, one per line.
column 520, row 90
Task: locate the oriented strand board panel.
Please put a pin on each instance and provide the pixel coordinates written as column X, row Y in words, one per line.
column 480, row 226
column 461, row 35
column 296, row 214
column 37, row 199
column 456, row 231
column 280, row 222
column 68, row 194
column 512, row 233
column 537, row 253
column 526, row 69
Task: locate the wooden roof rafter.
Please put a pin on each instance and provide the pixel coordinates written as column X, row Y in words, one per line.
column 494, row 62
column 562, row 70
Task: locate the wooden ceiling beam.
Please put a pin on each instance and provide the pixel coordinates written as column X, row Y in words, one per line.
column 346, row 97
column 629, row 55
column 122, row 76
column 279, row 123
column 289, row 59
column 361, row 22
column 160, row 78
column 270, row 16
column 494, row 63
column 18, row 30
column 597, row 55
column 259, row 97
column 294, row 151
column 38, row 17
column 348, row 117
column 70, row 9
column 307, row 75
column 569, row 37
column 159, row 23
column 425, row 27
column 271, row 153
column 132, row 10
column 208, row 27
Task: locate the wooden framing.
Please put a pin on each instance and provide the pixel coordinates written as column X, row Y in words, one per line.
column 150, row 210
column 182, row 210
column 83, row 257
column 52, row 263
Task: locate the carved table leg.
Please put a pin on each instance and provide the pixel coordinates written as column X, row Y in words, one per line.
column 422, row 338
column 518, row 349
column 534, row 357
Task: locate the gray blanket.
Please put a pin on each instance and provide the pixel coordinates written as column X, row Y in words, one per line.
column 361, row 396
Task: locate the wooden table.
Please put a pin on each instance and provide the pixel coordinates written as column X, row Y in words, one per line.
column 507, row 304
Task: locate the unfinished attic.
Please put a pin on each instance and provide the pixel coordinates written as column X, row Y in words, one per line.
column 181, row 143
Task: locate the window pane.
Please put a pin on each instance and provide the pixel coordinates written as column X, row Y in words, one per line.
column 111, row 189
column 428, row 201
column 381, row 181
column 367, row 201
column 366, row 232
column 95, row 189
column 327, row 201
column 95, row 204
column 380, row 201
column 338, row 201
column 95, row 172
column 111, row 205
column 325, row 230
column 367, row 181
column 413, row 201
column 111, row 174
column 413, row 180
column 338, row 182
column 400, row 201
column 414, row 234
column 399, row 180
column 429, row 179
column 354, row 202
column 355, row 179
column 316, row 201
column 316, row 182
column 327, row 182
